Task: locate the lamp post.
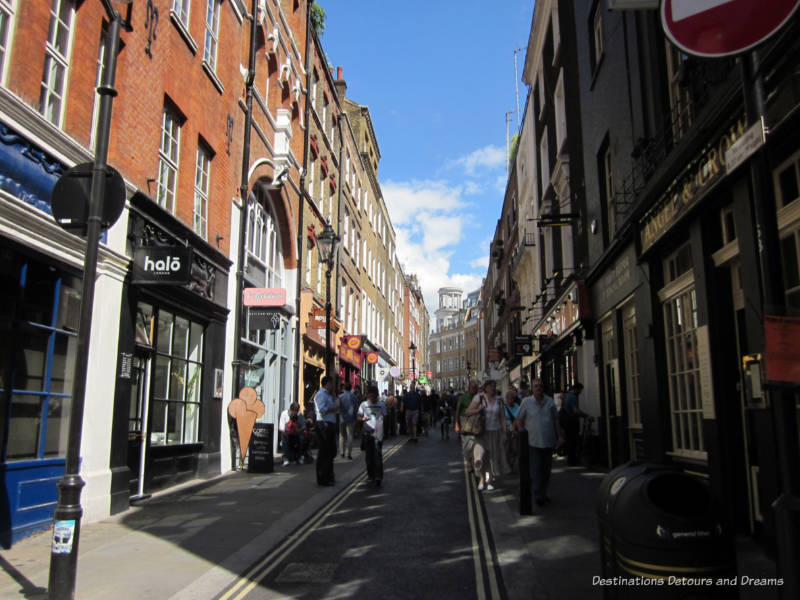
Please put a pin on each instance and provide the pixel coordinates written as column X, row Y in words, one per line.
column 326, row 244
column 412, row 348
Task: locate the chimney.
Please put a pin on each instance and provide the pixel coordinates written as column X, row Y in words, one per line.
column 339, row 84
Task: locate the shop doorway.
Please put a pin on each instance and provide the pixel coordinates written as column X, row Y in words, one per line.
column 137, row 422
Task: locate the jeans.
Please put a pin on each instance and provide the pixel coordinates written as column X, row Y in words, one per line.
column 326, row 433
column 373, row 454
column 346, row 433
column 541, row 463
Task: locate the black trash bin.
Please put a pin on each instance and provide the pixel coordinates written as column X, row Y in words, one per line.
column 661, row 536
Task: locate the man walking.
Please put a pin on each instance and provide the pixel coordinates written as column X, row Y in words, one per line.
column 371, row 413
column 412, row 402
column 326, row 408
column 538, row 416
column 348, row 404
column 569, row 417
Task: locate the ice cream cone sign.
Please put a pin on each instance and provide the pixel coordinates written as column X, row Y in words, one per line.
column 245, row 409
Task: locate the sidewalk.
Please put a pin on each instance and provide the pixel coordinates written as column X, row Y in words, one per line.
column 185, row 543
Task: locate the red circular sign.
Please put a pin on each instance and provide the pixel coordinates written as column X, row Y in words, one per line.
column 372, row 358
column 714, row 28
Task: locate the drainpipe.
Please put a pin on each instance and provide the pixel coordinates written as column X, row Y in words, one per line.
column 300, row 236
column 243, row 193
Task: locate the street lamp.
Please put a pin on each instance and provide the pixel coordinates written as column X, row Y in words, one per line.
column 326, row 244
column 412, row 348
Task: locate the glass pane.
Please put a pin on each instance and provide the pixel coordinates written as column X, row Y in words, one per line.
column 196, row 343
column 791, row 270
column 788, row 184
column 160, row 379
column 63, row 368
column 157, row 423
column 194, row 381
column 177, row 380
column 174, row 423
column 40, row 282
column 164, row 331
column 180, row 337
column 57, row 435
column 29, row 369
column 23, row 433
column 144, row 324
column 192, row 422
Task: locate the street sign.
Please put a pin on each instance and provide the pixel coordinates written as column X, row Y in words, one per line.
column 523, row 345
column 69, row 200
column 714, row 28
column 743, row 148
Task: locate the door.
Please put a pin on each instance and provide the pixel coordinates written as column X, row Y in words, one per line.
column 137, row 421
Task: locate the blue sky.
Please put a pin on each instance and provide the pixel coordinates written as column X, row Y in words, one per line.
column 438, row 78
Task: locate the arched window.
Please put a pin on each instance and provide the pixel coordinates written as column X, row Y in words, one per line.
column 264, row 242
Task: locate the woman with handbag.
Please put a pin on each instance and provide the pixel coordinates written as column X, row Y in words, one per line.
column 489, row 458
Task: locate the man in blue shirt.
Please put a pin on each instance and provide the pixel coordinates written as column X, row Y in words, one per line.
column 538, row 416
column 326, row 408
column 348, row 404
column 411, row 404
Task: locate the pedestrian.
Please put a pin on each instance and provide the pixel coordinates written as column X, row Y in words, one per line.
column 445, row 416
column 348, row 403
column 291, row 426
column 371, row 413
column 569, row 417
column 510, row 410
column 424, row 413
column 489, row 457
column 538, row 416
column 326, row 409
column 467, row 440
column 411, row 404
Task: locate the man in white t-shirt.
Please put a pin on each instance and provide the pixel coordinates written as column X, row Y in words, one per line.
column 371, row 413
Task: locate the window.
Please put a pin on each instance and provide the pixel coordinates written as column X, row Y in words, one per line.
column 308, row 267
column 556, row 31
column 168, row 159
column 787, row 182
column 39, row 307
column 790, row 258
column 264, row 244
column 6, row 26
column 540, row 87
column 201, row 176
column 56, row 61
column 101, row 56
column 728, row 225
column 679, row 306
column 212, row 33
column 561, row 113
column 544, row 162
column 632, row 365
column 597, row 35
column 177, row 379
column 680, row 108
column 606, row 173
column 181, row 10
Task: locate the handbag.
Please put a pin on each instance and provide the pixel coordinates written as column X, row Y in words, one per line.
column 473, row 424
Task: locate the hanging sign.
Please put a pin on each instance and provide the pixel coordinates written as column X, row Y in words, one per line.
column 264, row 296
column 372, row 358
column 261, row 318
column 167, row 265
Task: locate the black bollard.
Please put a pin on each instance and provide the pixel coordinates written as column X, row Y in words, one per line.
column 525, row 506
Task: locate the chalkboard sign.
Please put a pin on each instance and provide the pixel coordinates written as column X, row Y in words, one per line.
column 260, row 459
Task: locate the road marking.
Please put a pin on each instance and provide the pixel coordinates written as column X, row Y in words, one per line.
column 480, row 543
column 274, row 558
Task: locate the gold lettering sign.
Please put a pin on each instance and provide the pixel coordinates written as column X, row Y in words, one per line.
column 689, row 187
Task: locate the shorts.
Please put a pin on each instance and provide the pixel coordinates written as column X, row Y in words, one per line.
column 412, row 417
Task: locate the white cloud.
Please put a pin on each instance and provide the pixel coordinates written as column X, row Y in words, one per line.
column 488, row 157
column 405, row 200
column 480, row 263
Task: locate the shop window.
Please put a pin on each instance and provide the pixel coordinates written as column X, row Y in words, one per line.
column 6, row 27
column 37, row 366
column 610, row 365
column 790, row 255
column 56, row 61
column 177, row 379
column 679, row 306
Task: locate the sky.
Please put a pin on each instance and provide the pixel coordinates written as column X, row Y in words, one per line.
column 438, row 78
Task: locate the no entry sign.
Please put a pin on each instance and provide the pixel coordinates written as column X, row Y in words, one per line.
column 714, row 28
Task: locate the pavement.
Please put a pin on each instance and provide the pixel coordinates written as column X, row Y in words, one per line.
column 192, row 541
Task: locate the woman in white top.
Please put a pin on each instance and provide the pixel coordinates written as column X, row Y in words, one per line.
column 489, row 456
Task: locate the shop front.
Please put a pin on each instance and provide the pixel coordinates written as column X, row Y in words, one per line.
column 167, row 402
column 313, row 330
column 350, row 361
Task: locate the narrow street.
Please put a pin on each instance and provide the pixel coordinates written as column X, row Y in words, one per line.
column 423, row 533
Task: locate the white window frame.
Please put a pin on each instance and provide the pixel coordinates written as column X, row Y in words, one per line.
column 201, row 189
column 7, row 18
column 181, row 10
column 264, row 242
column 57, row 60
column 168, row 159
column 212, row 34
column 101, row 55
column 561, row 113
column 544, row 161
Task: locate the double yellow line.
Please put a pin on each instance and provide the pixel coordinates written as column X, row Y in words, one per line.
column 274, row 558
column 480, row 543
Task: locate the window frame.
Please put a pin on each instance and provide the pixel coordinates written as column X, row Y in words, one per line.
column 8, row 12
column 171, row 124
column 202, row 185
column 61, row 60
column 212, row 34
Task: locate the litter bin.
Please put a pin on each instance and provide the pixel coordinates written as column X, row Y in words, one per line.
column 661, row 537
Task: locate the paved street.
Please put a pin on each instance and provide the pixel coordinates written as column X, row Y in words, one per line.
column 425, row 533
